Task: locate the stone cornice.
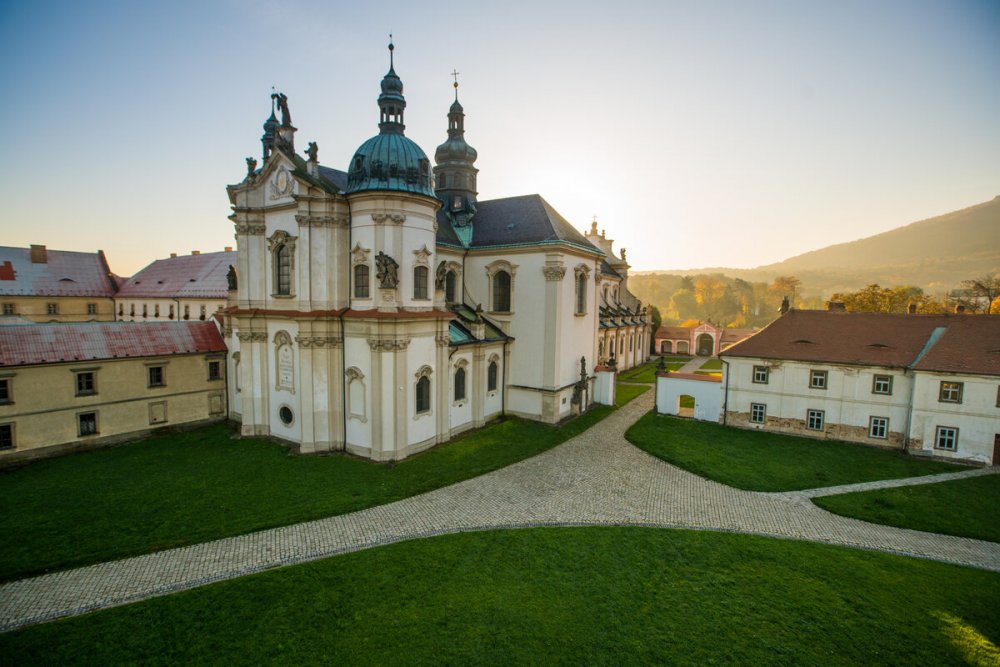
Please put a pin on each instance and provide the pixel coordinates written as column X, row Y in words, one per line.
column 319, row 341
column 388, row 344
column 322, row 220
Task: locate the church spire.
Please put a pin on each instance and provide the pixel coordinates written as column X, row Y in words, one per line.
column 455, row 173
column 391, row 102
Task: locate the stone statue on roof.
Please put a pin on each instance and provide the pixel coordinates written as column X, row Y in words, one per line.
column 231, row 278
column 387, row 271
column 440, row 276
column 286, row 115
column 251, row 167
column 312, row 152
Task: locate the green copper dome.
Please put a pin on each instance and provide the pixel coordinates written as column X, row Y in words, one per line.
column 390, row 161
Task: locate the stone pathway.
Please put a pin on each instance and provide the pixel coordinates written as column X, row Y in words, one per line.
column 597, row 478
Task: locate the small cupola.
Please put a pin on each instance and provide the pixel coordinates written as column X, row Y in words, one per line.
column 455, row 171
column 391, row 102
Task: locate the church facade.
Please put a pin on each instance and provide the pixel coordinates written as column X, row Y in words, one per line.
column 383, row 309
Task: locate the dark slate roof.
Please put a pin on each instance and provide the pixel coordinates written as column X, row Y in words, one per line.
column 944, row 343
column 607, row 270
column 64, row 273
column 335, row 176
column 191, row 276
column 29, row 344
column 516, row 221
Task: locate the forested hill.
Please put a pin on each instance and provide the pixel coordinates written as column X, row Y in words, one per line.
column 934, row 254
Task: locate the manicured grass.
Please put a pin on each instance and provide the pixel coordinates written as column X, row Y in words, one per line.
column 712, row 365
column 626, row 392
column 201, row 485
column 556, row 596
column 963, row 507
column 646, row 373
column 760, row 461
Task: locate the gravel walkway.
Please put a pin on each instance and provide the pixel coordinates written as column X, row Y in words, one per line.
column 597, row 478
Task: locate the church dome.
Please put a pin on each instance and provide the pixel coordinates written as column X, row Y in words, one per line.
column 455, row 148
column 390, row 161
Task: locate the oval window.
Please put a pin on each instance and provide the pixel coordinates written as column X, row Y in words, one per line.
column 286, row 415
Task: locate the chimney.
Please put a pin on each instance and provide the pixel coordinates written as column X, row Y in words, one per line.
column 173, row 255
column 785, row 306
column 911, row 308
column 39, row 255
column 196, row 252
column 960, row 309
column 836, row 306
column 228, row 248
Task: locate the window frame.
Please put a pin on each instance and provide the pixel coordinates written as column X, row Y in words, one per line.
column 80, row 432
column 362, row 271
column 159, row 370
column 501, row 293
column 52, row 309
column 758, row 409
column 9, row 309
column 216, row 366
column 6, row 390
column 492, row 375
column 946, row 433
column 91, row 308
column 459, row 392
column 450, row 282
column 818, row 379
column 761, row 371
column 884, row 379
column 878, row 427
column 422, row 402
column 11, row 436
column 951, row 392
column 85, row 382
column 815, row 420
column 421, row 275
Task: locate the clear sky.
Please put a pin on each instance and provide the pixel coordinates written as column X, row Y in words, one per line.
column 700, row 133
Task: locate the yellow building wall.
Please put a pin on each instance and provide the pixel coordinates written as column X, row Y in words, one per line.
column 69, row 308
column 45, row 406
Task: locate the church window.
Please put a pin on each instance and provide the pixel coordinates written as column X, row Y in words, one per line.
column 581, row 293
column 491, row 376
column 420, row 282
column 283, row 262
column 361, row 281
column 423, row 395
column 501, row 292
column 460, row 384
column 449, row 287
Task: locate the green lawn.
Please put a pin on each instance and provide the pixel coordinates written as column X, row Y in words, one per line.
column 556, row 596
column 760, row 461
column 712, row 365
column 963, row 507
column 205, row 484
column 647, row 372
column 626, row 392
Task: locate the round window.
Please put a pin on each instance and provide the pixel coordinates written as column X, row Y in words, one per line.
column 286, row 415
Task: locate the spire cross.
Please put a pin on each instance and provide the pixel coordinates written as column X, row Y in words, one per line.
column 455, row 74
column 391, row 49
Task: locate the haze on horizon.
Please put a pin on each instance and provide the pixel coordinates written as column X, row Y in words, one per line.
column 700, row 134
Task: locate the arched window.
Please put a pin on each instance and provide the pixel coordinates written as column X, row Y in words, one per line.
column 420, row 282
column 449, row 287
column 283, row 270
column 491, row 376
column 460, row 384
column 423, row 395
column 361, row 281
column 501, row 292
column 581, row 293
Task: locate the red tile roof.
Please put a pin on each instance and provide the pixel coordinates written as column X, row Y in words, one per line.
column 23, row 345
column 64, row 273
column 192, row 276
column 945, row 343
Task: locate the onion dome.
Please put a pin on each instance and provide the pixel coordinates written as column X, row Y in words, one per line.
column 390, row 161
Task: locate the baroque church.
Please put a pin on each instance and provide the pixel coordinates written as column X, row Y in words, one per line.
column 383, row 309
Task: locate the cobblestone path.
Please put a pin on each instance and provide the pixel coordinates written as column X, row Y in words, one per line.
column 597, row 478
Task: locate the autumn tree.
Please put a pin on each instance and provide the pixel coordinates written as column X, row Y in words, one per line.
column 978, row 294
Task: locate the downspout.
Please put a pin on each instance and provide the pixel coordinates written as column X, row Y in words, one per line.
column 725, row 395
column 909, row 412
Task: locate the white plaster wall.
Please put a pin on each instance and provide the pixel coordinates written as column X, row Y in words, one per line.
column 524, row 402
column 977, row 417
column 707, row 397
column 460, row 412
column 420, row 352
column 358, row 354
column 279, row 398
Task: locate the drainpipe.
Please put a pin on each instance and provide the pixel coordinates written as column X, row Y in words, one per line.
column 725, row 396
column 343, row 334
column 909, row 413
